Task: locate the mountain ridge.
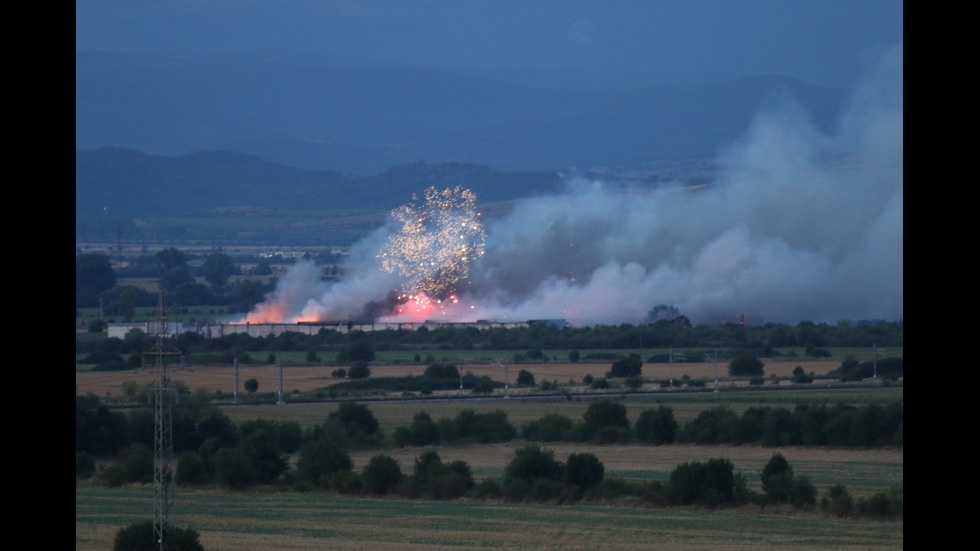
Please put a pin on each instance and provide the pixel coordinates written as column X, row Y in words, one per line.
column 363, row 119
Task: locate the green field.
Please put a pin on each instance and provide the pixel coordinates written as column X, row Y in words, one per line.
column 269, row 518
column 316, row 521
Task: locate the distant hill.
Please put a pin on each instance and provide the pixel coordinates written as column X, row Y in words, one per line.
column 366, row 119
column 127, row 183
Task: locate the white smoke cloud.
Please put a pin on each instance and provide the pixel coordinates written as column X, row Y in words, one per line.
column 801, row 225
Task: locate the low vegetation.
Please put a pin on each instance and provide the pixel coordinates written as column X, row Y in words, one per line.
column 215, row 451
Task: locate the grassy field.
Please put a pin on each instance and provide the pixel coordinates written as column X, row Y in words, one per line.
column 317, row 521
column 304, row 378
column 291, row 521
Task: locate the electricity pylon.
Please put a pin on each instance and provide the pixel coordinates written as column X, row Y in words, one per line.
column 163, row 448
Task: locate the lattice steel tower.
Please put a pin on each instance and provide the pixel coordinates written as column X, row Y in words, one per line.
column 163, row 448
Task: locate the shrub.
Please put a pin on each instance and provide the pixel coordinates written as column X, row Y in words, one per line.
column 192, row 469
column 251, row 385
column 712, row 426
column 889, row 504
column 656, row 426
column 320, row 459
column 583, row 470
column 422, row 432
column 745, row 366
column 605, row 413
column 483, row 385
column 381, row 475
column 485, row 428
column 233, row 469
column 525, row 377
column 552, row 427
column 800, row 376
column 711, row 483
column 356, row 419
column 359, row 370
column 140, row 536
column 777, row 479
column 629, row 366
column 531, row 462
column 442, row 371
column 136, row 465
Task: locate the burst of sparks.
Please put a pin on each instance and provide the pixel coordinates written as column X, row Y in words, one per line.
column 436, row 243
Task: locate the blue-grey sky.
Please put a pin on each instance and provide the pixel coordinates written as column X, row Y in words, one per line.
column 827, row 42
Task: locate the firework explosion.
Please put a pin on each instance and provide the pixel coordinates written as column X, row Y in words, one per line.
column 436, row 243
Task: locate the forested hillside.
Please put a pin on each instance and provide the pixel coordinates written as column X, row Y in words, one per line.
column 122, row 182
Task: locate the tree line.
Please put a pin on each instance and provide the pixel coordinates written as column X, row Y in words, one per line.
column 213, row 450
column 728, row 340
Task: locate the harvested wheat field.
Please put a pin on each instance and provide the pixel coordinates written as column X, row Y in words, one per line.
column 315, row 521
column 308, row 378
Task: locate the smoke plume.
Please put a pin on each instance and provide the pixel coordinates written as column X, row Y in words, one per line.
column 801, row 224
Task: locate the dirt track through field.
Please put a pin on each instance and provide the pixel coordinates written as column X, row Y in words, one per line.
column 308, row 378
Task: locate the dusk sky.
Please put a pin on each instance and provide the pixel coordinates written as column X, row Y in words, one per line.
column 828, row 43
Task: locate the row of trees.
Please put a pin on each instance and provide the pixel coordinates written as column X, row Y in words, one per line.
column 96, row 283
column 256, row 452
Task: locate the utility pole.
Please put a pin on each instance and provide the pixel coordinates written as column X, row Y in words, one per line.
column 876, row 362
column 163, row 449
column 281, row 400
column 235, row 401
column 506, row 379
column 715, row 361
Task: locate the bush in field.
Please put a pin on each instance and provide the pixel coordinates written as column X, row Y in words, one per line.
column 781, row 486
column 777, row 479
column 422, row 432
column 602, row 414
column 98, row 430
column 140, row 536
column 263, row 450
column 441, row 371
column 656, row 426
column 531, row 462
column 525, row 378
column 483, row 385
column 233, row 469
column 192, row 469
column 251, row 385
column 630, row 366
column 485, row 428
column 745, row 366
column 800, row 376
column 889, row 504
column 381, row 475
column 320, row 459
column 358, row 351
column 135, row 465
column 359, row 370
column 583, row 470
column 441, row 481
column 837, row 502
column 357, row 421
column 715, row 425
column 711, row 483
column 553, row 427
